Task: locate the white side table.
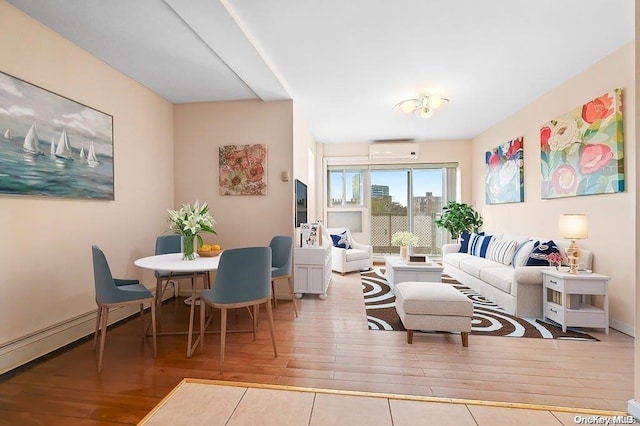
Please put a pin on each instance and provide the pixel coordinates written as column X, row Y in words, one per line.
column 311, row 270
column 571, row 306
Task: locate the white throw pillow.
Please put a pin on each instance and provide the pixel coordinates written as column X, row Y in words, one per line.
column 502, row 251
column 522, row 253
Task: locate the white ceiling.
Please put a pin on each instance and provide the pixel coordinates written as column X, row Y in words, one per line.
column 345, row 63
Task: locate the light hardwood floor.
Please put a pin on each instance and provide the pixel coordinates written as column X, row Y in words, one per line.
column 328, row 346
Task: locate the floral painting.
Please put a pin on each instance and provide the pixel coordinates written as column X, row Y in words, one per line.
column 243, row 170
column 582, row 151
column 504, row 181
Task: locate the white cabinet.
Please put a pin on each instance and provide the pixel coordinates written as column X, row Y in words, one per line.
column 311, row 270
column 567, row 299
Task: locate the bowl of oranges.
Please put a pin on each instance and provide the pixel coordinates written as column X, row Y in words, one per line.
column 209, row 250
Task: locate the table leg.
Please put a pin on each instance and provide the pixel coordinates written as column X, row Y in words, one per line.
column 191, row 314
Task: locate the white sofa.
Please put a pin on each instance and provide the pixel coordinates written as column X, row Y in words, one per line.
column 514, row 287
column 358, row 257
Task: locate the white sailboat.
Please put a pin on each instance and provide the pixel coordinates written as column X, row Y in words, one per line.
column 7, row 134
column 64, row 148
column 92, row 161
column 32, row 141
column 81, row 156
column 52, row 150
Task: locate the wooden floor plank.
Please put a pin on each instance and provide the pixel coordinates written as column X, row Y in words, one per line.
column 327, row 346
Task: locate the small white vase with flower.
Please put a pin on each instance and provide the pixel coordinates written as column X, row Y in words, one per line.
column 404, row 239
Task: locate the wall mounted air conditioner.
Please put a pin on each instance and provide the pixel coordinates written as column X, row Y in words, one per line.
column 393, row 151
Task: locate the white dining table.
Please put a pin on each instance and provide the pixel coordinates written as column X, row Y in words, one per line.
column 173, row 262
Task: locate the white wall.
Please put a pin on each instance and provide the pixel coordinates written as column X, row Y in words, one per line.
column 612, row 225
column 45, row 254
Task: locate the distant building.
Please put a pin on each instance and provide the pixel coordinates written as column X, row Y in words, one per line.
column 427, row 204
column 378, row 191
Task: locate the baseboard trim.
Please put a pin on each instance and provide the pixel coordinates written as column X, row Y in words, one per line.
column 25, row 349
column 622, row 327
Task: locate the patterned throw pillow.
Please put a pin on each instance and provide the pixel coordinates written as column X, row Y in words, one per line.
column 538, row 256
column 341, row 240
column 502, row 251
column 478, row 245
column 464, row 241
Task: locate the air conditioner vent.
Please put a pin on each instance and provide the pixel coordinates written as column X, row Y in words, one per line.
column 393, row 151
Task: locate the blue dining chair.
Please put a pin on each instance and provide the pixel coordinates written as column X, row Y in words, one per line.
column 243, row 279
column 112, row 292
column 281, row 260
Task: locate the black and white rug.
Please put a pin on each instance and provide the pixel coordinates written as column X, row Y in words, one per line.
column 488, row 318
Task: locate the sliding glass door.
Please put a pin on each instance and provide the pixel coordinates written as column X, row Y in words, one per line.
column 406, row 199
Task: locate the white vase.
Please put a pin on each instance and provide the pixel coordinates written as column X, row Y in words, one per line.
column 404, row 253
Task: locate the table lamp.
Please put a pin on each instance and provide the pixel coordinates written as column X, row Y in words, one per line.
column 573, row 227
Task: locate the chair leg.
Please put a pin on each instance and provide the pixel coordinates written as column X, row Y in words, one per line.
column 203, row 311
column 293, row 296
column 142, row 319
column 103, row 336
column 273, row 334
column 153, row 327
column 95, row 335
column 273, row 294
column 255, row 320
column 223, row 336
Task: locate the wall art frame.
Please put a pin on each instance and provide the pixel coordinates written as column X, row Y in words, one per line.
column 243, row 169
column 582, row 151
column 504, row 178
column 51, row 145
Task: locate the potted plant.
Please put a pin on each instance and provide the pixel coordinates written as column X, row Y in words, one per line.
column 458, row 218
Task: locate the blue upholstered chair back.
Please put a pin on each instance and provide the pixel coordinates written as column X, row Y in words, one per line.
column 282, row 254
column 166, row 244
column 244, row 274
column 106, row 289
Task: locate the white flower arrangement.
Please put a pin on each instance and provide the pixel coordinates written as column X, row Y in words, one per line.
column 191, row 220
column 404, row 239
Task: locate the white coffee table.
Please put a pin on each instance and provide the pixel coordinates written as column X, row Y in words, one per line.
column 398, row 271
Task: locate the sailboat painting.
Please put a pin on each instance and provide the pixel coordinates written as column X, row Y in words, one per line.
column 53, row 146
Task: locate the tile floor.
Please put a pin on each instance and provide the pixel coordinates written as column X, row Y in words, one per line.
column 226, row 403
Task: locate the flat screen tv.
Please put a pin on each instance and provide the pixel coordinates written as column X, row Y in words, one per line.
column 301, row 203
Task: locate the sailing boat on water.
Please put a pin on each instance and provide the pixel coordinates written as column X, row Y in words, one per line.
column 7, row 134
column 52, row 150
column 92, row 161
column 64, row 148
column 81, row 156
column 32, row 141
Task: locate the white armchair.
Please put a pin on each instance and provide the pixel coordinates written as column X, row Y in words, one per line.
column 356, row 257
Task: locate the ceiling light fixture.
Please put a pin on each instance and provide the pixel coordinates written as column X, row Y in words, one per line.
column 422, row 105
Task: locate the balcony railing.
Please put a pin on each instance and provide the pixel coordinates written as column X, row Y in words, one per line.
column 383, row 226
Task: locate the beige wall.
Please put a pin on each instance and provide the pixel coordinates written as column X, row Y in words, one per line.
column 45, row 256
column 611, row 216
column 304, row 160
column 200, row 129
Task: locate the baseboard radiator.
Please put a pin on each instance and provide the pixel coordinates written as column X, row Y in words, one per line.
column 27, row 348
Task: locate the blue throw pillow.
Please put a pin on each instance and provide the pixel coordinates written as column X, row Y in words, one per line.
column 341, row 240
column 479, row 244
column 538, row 256
column 464, row 241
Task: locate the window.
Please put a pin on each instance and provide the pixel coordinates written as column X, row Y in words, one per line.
column 345, row 187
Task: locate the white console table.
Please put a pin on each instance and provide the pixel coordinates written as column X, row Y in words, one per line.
column 311, row 270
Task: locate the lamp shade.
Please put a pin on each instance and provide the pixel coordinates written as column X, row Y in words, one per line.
column 573, row 226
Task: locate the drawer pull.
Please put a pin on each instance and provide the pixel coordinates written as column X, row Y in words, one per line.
column 553, row 310
column 553, row 282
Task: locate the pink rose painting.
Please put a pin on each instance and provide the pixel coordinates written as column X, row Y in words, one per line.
column 504, row 182
column 582, row 151
column 243, row 170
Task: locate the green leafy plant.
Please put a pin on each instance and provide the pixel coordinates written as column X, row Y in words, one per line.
column 458, row 218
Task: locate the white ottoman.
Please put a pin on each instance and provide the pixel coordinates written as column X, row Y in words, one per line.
column 433, row 306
